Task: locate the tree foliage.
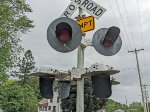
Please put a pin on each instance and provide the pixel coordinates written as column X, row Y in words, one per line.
column 13, row 22
column 91, row 102
column 25, row 66
column 17, row 98
column 112, row 105
column 136, row 106
column 21, row 95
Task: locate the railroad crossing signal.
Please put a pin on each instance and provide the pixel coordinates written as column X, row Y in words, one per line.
column 52, row 80
column 63, row 89
column 64, row 34
column 46, row 87
column 87, row 23
column 101, row 85
column 107, row 41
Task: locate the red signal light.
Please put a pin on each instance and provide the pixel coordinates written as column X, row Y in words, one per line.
column 107, row 42
column 111, row 36
column 64, row 32
column 64, row 35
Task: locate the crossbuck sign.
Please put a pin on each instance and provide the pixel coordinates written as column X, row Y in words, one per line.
column 88, row 5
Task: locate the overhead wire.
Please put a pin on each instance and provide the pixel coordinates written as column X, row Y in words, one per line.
column 113, row 12
column 124, row 28
column 116, row 19
column 141, row 35
column 123, row 23
column 129, row 23
column 119, row 26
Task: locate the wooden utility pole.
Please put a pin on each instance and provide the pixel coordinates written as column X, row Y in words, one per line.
column 139, row 73
column 126, row 101
column 146, row 97
column 147, row 102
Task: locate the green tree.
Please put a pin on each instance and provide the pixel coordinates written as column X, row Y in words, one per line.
column 25, row 66
column 69, row 104
column 17, row 98
column 91, row 102
column 136, row 107
column 21, row 95
column 112, row 105
column 13, row 23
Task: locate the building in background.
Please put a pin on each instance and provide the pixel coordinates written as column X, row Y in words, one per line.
column 50, row 105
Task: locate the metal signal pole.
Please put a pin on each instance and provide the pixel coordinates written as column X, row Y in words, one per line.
column 139, row 73
column 80, row 82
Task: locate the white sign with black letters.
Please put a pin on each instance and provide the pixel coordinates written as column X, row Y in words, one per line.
column 91, row 7
column 88, row 5
column 70, row 9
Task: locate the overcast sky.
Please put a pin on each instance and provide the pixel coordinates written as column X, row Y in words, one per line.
column 45, row 11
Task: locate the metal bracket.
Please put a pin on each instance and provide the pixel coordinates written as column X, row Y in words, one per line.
column 86, row 42
column 77, row 72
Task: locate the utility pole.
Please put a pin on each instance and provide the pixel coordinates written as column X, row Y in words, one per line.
column 126, row 101
column 139, row 73
column 80, row 82
column 146, row 96
column 147, row 102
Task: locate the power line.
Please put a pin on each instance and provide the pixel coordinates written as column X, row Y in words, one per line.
column 123, row 23
column 113, row 12
column 116, row 19
column 124, row 28
column 128, row 47
column 128, row 22
column 141, row 35
column 131, row 30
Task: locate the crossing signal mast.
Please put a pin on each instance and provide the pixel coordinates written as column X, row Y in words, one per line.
column 65, row 35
